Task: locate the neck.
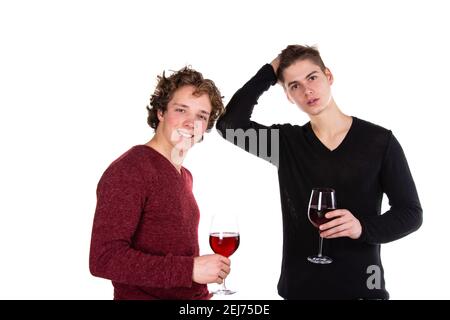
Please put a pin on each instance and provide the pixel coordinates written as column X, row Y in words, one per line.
column 330, row 121
column 175, row 156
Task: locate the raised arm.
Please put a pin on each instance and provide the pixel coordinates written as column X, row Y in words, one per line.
column 240, row 108
column 235, row 124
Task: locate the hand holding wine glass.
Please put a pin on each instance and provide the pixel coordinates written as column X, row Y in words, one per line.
column 342, row 223
column 210, row 268
column 224, row 240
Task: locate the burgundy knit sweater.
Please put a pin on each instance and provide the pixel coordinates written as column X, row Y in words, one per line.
column 145, row 232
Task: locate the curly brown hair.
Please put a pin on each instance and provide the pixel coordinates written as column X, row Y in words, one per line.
column 167, row 86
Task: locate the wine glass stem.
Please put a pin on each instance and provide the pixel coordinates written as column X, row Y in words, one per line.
column 320, row 246
column 224, row 288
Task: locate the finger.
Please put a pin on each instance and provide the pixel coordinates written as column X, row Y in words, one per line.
column 344, row 233
column 335, row 222
column 337, row 229
column 330, row 224
column 225, row 260
column 223, row 274
column 335, row 213
column 226, row 269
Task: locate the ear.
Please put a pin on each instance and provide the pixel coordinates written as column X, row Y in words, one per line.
column 329, row 76
column 287, row 94
column 160, row 115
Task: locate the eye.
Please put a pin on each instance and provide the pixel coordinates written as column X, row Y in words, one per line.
column 180, row 110
column 312, row 78
column 203, row 117
column 294, row 87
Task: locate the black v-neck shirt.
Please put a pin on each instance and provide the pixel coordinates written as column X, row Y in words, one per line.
column 368, row 162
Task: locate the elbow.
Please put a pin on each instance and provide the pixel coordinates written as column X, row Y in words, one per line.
column 419, row 218
column 93, row 265
column 221, row 126
column 225, row 124
column 226, row 127
column 97, row 264
column 415, row 218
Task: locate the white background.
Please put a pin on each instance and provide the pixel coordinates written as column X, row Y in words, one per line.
column 75, row 77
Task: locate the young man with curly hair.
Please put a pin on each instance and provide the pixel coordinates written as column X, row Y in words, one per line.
column 361, row 161
column 145, row 231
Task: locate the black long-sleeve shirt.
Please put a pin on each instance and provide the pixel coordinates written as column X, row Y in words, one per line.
column 368, row 163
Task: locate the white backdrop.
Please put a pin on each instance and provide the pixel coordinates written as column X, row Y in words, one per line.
column 75, row 77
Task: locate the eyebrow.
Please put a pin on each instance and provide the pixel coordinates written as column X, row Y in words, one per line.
column 309, row 75
column 187, row 107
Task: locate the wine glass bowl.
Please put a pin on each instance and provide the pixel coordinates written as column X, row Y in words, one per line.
column 225, row 243
column 317, row 217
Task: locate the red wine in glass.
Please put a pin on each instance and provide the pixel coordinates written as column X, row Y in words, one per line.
column 225, row 243
column 317, row 217
column 322, row 200
column 224, row 240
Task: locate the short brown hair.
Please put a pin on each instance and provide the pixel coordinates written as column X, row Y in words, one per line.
column 295, row 52
column 167, row 86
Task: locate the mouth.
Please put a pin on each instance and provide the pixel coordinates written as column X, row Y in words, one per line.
column 312, row 102
column 185, row 134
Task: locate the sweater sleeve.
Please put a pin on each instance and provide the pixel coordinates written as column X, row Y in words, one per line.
column 120, row 200
column 235, row 124
column 405, row 213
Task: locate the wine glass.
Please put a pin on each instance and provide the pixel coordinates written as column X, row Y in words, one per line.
column 322, row 200
column 224, row 240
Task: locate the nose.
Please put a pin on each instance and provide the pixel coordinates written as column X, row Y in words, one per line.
column 189, row 122
column 308, row 91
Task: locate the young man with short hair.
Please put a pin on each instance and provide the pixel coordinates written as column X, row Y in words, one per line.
column 356, row 158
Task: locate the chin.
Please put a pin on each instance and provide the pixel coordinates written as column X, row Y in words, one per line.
column 185, row 144
column 315, row 111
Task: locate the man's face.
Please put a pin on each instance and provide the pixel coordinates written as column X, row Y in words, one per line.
column 186, row 118
column 306, row 85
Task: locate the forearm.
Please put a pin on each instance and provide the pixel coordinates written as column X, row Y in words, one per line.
column 392, row 225
column 117, row 261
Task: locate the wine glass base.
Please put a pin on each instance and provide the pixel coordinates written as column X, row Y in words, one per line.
column 223, row 292
column 320, row 260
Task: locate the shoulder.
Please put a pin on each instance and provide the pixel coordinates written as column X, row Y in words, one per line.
column 371, row 131
column 127, row 166
column 131, row 158
column 373, row 137
column 188, row 177
column 288, row 127
column 188, row 173
column 290, row 131
column 371, row 127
